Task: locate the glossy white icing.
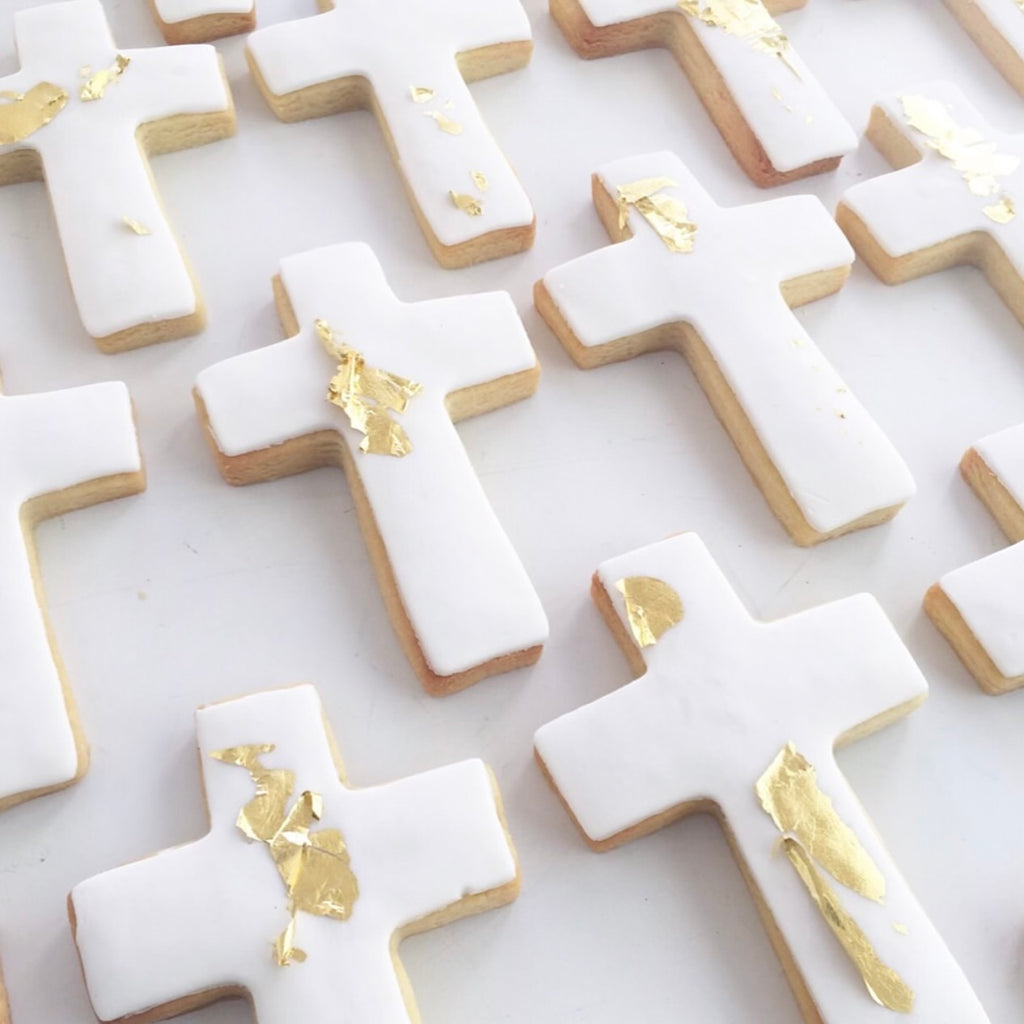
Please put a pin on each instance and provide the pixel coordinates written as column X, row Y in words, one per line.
column 94, row 169
column 722, row 694
column 989, row 594
column 836, row 462
column 205, row 916
column 49, row 442
column 175, row 11
column 929, row 202
column 396, row 47
column 459, row 579
column 786, row 108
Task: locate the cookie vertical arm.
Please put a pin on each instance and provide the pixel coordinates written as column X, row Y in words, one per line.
column 822, row 976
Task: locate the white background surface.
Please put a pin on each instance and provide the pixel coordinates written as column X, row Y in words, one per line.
column 196, row 591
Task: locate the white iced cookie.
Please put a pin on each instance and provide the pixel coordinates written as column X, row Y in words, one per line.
column 82, row 116
column 196, row 21
column 954, row 199
column 997, row 26
column 409, row 62
column 740, row 718
column 980, row 608
column 59, row 452
column 717, row 285
column 772, row 112
column 303, row 887
column 397, row 375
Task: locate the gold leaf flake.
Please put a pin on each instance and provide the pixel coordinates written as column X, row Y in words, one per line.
column 467, row 204
column 134, row 226
column 979, row 162
column 666, row 214
column 480, row 180
column 1002, row 212
column 652, row 606
column 449, row 105
column 789, row 793
column 23, row 114
column 314, row 865
column 368, row 396
column 777, row 93
column 421, row 94
column 902, row 929
column 884, row 985
column 445, row 123
column 95, row 88
column 748, row 19
column 286, row 952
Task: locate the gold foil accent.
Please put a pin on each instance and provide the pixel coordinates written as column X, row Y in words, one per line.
column 884, row 985
column 421, row 94
column 368, row 396
column 314, row 865
column 666, row 214
column 95, row 88
column 1002, row 212
column 134, row 226
column 23, row 114
column 467, row 204
column 652, row 606
column 445, row 123
column 902, row 929
column 789, row 793
column 748, row 19
column 480, row 180
column 978, row 161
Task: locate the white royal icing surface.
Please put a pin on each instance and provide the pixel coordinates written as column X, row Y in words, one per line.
column 397, row 46
column 786, row 107
column 989, row 594
column 48, row 442
column 94, row 170
column 834, row 459
column 722, row 695
column 463, row 587
column 205, row 916
column 174, row 11
column 929, row 202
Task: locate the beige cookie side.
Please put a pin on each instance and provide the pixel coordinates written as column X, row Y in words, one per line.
column 205, row 28
column 940, row 609
column 990, row 41
column 674, row 32
column 48, row 506
column 355, row 93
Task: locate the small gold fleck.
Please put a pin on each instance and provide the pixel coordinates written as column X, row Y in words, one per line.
column 902, row 929
column 480, row 180
column 95, row 88
column 421, row 94
column 134, row 226
column 467, row 204
column 446, row 124
column 1002, row 212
